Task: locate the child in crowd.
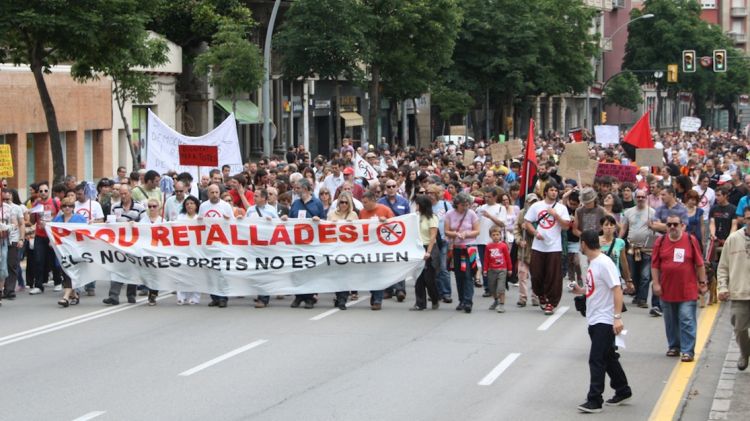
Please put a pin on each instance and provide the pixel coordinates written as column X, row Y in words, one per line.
column 497, row 266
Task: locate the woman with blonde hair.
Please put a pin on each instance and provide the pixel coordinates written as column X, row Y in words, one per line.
column 70, row 296
column 344, row 211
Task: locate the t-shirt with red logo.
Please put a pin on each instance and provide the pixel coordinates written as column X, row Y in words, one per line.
column 219, row 210
column 497, row 257
column 547, row 225
column 676, row 261
column 601, row 276
column 51, row 207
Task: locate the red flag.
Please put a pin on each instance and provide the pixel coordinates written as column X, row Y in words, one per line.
column 639, row 136
column 528, row 167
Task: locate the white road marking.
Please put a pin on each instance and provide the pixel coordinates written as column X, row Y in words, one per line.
column 221, row 358
column 52, row 327
column 498, row 370
column 553, row 318
column 334, row 310
column 90, row 416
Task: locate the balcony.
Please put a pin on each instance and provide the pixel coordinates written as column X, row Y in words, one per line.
column 738, row 12
column 738, row 38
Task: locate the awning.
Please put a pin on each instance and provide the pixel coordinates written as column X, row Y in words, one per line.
column 352, row 119
column 247, row 112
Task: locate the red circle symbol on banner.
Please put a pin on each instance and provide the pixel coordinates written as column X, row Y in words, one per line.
column 391, row 233
column 546, row 220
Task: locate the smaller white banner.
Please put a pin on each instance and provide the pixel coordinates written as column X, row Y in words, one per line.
column 607, row 134
column 363, row 169
column 690, row 124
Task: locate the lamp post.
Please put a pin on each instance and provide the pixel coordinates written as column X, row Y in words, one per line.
column 267, row 82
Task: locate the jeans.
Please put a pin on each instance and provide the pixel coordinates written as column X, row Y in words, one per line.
column 480, row 250
column 443, row 276
column 641, row 274
column 376, row 297
column 13, row 268
column 44, row 260
column 603, row 359
column 464, row 278
column 680, row 322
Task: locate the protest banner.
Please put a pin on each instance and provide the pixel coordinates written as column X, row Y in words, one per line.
column 621, row 172
column 690, row 124
column 6, row 161
column 201, row 156
column 645, row 157
column 241, row 258
column 607, row 134
column 162, row 152
column 363, row 168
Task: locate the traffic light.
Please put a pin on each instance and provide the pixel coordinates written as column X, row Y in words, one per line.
column 688, row 61
column 720, row 60
column 604, row 117
column 672, row 73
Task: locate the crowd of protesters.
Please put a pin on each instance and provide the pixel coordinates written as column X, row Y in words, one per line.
column 473, row 222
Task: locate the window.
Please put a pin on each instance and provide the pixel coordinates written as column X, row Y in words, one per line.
column 708, row 4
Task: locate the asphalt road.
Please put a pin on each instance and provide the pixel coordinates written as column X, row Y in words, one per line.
column 134, row 362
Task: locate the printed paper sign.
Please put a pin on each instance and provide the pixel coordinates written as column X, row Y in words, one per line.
column 244, row 257
column 607, row 135
column 690, row 124
column 6, row 162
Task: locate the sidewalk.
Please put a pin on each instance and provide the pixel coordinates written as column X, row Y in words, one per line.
column 732, row 397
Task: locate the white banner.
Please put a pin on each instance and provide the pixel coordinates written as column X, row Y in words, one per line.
column 690, row 124
column 244, row 257
column 162, row 141
column 363, row 168
column 607, row 135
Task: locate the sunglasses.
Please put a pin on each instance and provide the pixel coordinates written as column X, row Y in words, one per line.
column 43, row 191
column 153, row 206
column 390, row 187
column 67, row 206
column 640, row 197
column 179, row 191
column 673, row 224
column 422, row 192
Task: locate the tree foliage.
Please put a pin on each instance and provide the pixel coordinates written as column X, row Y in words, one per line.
column 451, row 102
column 87, row 33
column 233, row 63
column 624, row 90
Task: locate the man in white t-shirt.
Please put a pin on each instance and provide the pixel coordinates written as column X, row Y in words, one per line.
column 334, row 180
column 707, row 197
column 544, row 221
column 490, row 214
column 89, row 209
column 214, row 207
column 173, row 205
column 603, row 313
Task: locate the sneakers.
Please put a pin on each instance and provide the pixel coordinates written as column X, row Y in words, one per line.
column 309, row 304
column 642, row 304
column 493, row 307
column 35, row 291
column 376, row 307
column 90, row 292
column 58, row 288
column 151, row 300
column 549, row 310
column 222, row 304
column 655, row 312
column 110, row 301
column 590, row 407
column 260, row 304
column 500, row 308
column 534, row 301
column 400, row 296
column 742, row 363
column 131, row 300
column 521, row 303
column 618, row 400
column 296, row 303
column 447, row 299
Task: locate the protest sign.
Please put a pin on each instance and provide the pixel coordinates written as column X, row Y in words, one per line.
column 607, row 135
column 468, row 157
column 649, row 157
column 363, row 168
column 576, row 164
column 6, row 161
column 690, row 124
column 241, row 258
column 162, row 152
column 515, row 148
column 501, row 138
column 621, row 172
column 202, row 156
column 497, row 151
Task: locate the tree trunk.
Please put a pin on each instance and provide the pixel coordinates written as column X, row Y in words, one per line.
column 658, row 107
column 338, row 115
column 373, row 112
column 121, row 107
column 58, row 166
column 416, row 125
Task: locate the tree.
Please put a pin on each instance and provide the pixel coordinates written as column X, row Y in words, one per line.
column 624, row 91
column 451, row 102
column 42, row 33
column 128, row 82
column 233, row 63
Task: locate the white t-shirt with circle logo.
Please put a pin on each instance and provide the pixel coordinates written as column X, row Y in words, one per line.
column 90, row 209
column 548, row 226
column 218, row 210
column 601, row 277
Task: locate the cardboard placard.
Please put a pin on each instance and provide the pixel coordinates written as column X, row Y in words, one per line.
column 458, row 131
column 585, row 177
column 515, row 147
column 576, row 156
column 690, row 124
column 498, row 151
column 468, row 158
column 621, row 172
column 649, row 157
column 199, row 155
column 6, row 162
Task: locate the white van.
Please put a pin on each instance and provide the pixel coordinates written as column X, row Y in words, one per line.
column 456, row 140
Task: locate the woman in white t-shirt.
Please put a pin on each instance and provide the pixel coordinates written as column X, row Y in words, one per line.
column 189, row 212
column 153, row 216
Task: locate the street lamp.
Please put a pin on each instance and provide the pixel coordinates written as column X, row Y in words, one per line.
column 608, row 40
column 267, row 82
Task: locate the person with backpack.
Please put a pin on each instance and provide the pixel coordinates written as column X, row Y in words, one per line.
column 678, row 273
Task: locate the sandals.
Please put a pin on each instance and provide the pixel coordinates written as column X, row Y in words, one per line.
column 686, row 358
column 75, row 300
column 63, row 303
column 673, row 353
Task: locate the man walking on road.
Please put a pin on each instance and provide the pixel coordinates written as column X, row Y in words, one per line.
column 603, row 313
column 734, row 284
column 677, row 270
